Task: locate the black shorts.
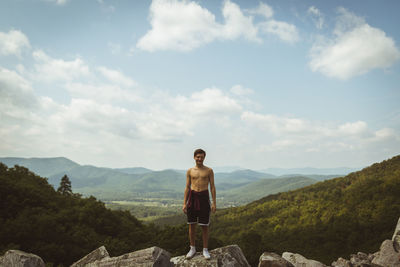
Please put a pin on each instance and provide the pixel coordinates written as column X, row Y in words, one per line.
column 202, row 216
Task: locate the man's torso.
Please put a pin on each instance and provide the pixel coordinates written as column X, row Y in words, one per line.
column 199, row 178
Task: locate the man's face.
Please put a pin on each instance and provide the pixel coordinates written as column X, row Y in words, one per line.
column 199, row 158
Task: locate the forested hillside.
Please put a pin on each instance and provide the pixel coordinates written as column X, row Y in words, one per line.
column 61, row 228
column 322, row 221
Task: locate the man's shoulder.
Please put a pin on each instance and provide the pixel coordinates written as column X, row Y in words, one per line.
column 208, row 169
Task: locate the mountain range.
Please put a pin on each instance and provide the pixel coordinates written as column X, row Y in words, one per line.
column 234, row 188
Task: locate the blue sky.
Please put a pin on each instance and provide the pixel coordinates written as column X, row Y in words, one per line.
column 257, row 84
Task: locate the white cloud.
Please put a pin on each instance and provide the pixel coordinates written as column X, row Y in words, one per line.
column 275, row 124
column 102, row 93
column 185, row 25
column 287, row 134
column 317, row 16
column 15, row 90
column 263, row 10
column 285, row 31
column 51, row 70
column 356, row 128
column 116, row 77
column 13, row 43
column 237, row 24
column 348, row 54
column 208, row 101
column 178, row 25
column 240, row 90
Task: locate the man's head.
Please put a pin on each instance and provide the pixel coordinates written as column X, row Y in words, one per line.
column 199, row 155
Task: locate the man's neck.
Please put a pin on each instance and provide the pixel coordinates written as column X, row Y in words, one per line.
column 199, row 166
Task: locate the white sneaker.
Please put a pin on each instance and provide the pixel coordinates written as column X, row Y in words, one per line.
column 206, row 254
column 191, row 253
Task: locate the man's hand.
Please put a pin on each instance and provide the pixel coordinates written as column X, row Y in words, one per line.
column 213, row 207
column 184, row 208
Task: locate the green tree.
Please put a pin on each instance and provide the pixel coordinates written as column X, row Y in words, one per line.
column 65, row 186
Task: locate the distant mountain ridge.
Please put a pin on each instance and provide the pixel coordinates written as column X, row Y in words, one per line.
column 235, row 188
column 310, row 171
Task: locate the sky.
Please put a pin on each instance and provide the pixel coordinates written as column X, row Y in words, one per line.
column 257, row 84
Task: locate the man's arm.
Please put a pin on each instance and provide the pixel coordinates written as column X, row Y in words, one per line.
column 187, row 189
column 213, row 191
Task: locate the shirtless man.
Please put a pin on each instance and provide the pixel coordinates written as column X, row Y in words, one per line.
column 196, row 202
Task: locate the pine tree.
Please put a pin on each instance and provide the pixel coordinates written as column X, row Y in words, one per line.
column 65, row 186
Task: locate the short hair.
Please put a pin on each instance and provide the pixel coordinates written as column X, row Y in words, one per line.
column 199, row 151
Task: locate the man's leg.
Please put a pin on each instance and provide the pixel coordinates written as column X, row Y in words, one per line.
column 205, row 236
column 206, row 254
column 192, row 234
column 192, row 238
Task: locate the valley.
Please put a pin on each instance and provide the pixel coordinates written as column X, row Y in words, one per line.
column 152, row 195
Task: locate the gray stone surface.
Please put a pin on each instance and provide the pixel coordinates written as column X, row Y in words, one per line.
column 270, row 259
column 396, row 237
column 300, row 261
column 359, row 259
column 341, row 263
column 387, row 255
column 148, row 257
column 229, row 256
column 97, row 254
column 197, row 260
column 17, row 258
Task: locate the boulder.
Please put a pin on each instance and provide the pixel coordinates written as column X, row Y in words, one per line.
column 197, row 260
column 359, row 259
column 300, row 261
column 95, row 255
column 387, row 255
column 153, row 256
column 231, row 256
column 396, row 237
column 341, row 263
column 17, row 258
column 270, row 259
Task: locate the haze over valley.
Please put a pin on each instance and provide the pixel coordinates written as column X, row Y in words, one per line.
column 149, row 193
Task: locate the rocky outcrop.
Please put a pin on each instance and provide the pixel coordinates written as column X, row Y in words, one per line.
column 153, row 256
column 17, row 258
column 300, row 261
column 396, row 237
column 356, row 260
column 95, row 255
column 229, row 256
column 270, row 259
column 341, row 263
column 387, row 255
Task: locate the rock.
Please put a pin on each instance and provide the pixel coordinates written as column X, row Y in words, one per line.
column 300, row 261
column 387, row 255
column 197, row 260
column 231, row 256
column 270, row 259
column 153, row 256
column 359, row 259
column 341, row 263
column 17, row 258
column 95, row 255
column 396, row 237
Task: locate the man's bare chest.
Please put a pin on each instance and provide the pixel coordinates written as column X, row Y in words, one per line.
column 199, row 175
